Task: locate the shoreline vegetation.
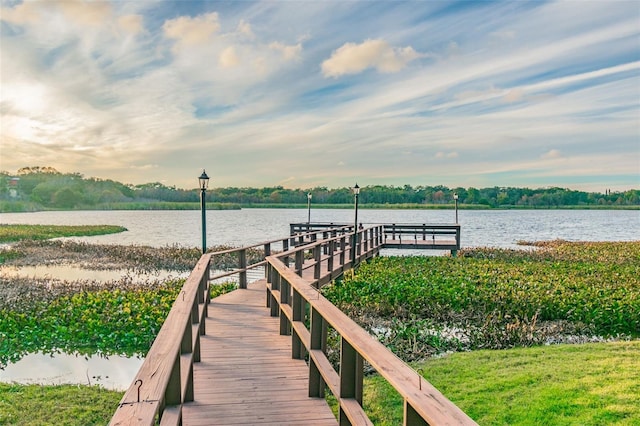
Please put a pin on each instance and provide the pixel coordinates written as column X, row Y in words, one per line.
column 489, row 328
column 33, row 189
column 30, row 207
column 26, row 207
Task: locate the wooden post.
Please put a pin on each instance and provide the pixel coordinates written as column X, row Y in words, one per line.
column 331, row 249
column 411, row 417
column 297, row 348
column 275, row 308
column 243, row 268
column 173, row 393
column 267, row 252
column 351, row 376
column 318, row 341
column 299, row 262
column 317, row 254
column 285, row 292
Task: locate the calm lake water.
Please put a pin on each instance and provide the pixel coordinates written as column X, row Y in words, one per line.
column 493, row 228
column 503, row 228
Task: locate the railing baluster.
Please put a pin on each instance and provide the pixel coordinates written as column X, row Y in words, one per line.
column 317, row 255
column 285, row 291
column 297, row 348
column 299, row 261
column 351, row 376
column 317, row 341
column 242, row 265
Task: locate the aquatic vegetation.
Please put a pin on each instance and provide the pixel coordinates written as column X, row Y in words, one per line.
column 106, row 256
column 496, row 298
column 10, row 233
column 86, row 317
column 103, row 321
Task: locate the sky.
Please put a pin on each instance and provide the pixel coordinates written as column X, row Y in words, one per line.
column 324, row 93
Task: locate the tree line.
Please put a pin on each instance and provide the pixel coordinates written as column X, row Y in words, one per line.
column 48, row 188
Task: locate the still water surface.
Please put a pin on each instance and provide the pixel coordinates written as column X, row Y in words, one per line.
column 494, row 228
column 503, row 228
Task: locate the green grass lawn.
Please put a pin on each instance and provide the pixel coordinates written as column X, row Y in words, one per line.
column 589, row 384
column 56, row 405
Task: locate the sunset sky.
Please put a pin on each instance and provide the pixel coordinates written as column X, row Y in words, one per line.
column 325, row 93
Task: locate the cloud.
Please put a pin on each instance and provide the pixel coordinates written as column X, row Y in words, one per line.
column 288, row 52
column 514, row 95
column 23, row 13
column 354, row 58
column 86, row 13
column 190, row 31
column 244, row 28
column 551, row 155
column 441, row 154
column 109, row 92
column 132, row 24
column 229, row 58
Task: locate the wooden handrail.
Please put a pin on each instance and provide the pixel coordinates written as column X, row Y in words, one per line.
column 243, row 267
column 165, row 379
column 298, row 303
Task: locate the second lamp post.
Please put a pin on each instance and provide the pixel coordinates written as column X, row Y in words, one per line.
column 204, row 183
column 356, row 192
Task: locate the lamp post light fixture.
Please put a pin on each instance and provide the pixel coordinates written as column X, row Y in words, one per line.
column 309, row 207
column 204, row 184
column 356, row 192
column 455, row 199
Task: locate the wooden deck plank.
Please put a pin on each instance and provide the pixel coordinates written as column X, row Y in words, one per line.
column 246, row 375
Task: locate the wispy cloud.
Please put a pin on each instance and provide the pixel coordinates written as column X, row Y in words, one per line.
column 527, row 93
column 354, row 58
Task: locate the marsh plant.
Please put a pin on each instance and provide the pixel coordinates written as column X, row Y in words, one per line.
column 496, row 298
column 106, row 256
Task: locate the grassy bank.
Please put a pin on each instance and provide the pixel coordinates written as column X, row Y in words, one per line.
column 56, row 405
column 589, row 384
column 11, row 233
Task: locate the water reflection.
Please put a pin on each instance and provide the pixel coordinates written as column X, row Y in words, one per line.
column 113, row 372
column 75, row 273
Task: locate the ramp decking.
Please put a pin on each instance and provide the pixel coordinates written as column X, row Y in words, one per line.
column 246, row 375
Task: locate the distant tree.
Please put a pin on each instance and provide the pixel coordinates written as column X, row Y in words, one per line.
column 65, row 198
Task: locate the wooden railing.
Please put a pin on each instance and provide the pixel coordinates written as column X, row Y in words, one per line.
column 426, row 235
column 280, row 245
column 298, row 303
column 165, row 379
column 335, row 253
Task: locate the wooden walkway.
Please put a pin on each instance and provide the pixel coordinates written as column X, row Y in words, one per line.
column 246, row 375
column 239, row 359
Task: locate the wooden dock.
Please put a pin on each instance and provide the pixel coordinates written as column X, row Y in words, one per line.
column 246, row 375
column 258, row 355
column 420, row 236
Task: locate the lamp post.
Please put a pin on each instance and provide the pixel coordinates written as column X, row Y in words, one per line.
column 308, row 208
column 455, row 199
column 356, row 192
column 204, row 183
